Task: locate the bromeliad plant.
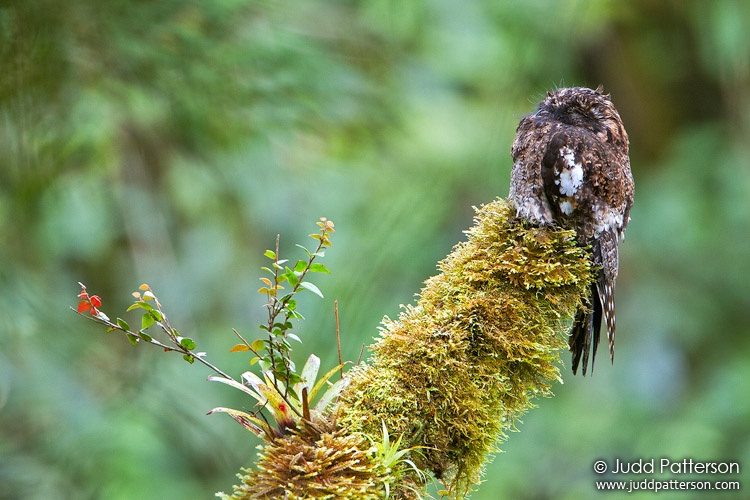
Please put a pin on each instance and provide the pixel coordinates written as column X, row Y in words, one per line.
column 286, row 411
column 283, row 392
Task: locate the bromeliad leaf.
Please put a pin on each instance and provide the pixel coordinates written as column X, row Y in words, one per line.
column 324, row 379
column 331, row 394
column 309, row 375
column 242, row 387
column 249, row 422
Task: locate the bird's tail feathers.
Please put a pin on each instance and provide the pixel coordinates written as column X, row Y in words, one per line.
column 584, row 337
column 606, row 295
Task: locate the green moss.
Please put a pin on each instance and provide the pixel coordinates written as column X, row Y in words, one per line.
column 455, row 371
column 450, row 376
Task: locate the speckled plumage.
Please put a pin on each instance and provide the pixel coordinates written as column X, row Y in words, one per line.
column 571, row 168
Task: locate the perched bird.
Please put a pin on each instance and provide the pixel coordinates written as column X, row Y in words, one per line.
column 571, row 169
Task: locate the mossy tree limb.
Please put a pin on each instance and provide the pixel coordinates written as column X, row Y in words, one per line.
column 454, row 372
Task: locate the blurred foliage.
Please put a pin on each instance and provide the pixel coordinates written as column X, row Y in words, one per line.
column 171, row 141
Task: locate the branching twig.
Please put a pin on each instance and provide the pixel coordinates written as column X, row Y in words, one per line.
column 140, row 335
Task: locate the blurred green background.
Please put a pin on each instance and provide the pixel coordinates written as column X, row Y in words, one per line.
column 169, row 142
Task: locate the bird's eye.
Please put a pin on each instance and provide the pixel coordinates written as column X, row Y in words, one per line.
column 578, row 112
column 587, row 113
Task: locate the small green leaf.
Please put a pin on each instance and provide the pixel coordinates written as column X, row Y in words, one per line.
column 294, row 337
column 305, row 249
column 270, row 254
column 314, row 289
column 123, row 324
column 292, row 366
column 139, row 305
column 319, row 268
column 132, row 338
column 292, row 278
column 190, row 359
column 257, row 345
column 291, row 305
column 145, row 336
column 147, row 320
column 253, row 361
column 300, row 266
column 279, row 373
column 187, row 343
column 293, row 393
column 157, row 315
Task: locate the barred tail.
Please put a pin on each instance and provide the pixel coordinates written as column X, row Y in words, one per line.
column 584, row 338
column 606, row 292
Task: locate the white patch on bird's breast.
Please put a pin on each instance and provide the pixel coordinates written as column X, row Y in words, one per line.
column 570, row 178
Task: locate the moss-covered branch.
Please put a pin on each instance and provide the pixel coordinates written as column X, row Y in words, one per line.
column 450, row 376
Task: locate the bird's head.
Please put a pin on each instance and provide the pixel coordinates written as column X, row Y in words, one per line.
column 589, row 109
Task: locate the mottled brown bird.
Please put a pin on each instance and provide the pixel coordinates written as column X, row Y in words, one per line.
column 571, row 168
